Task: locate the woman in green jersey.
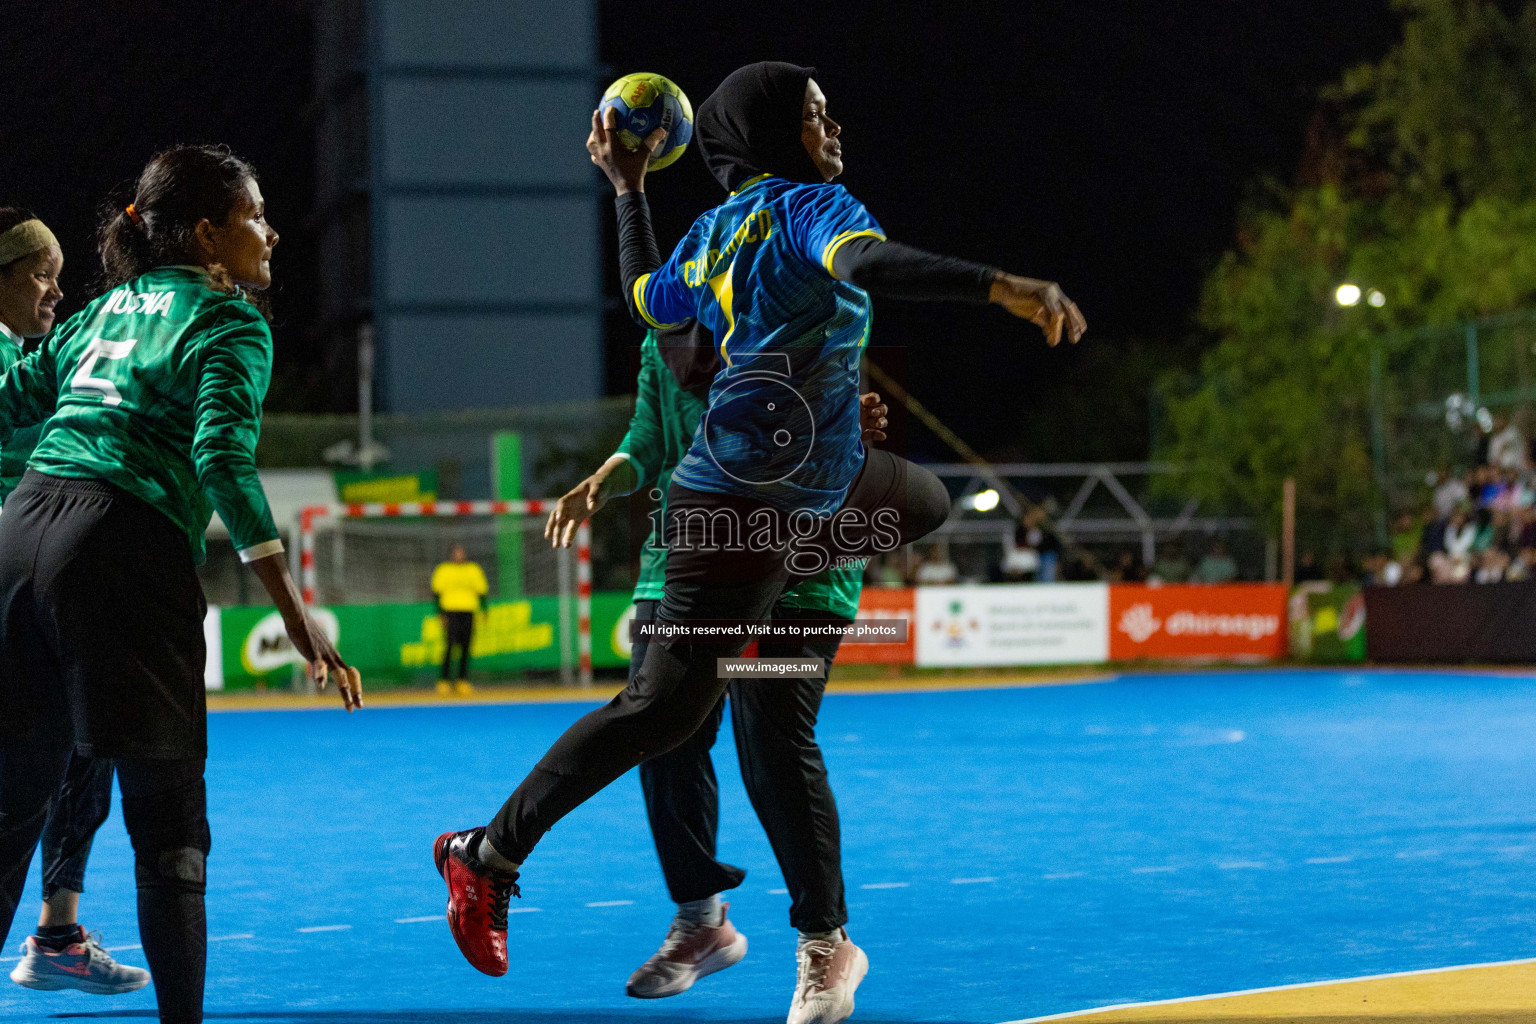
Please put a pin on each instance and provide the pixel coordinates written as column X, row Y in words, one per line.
column 773, row 720
column 150, row 400
column 61, row 954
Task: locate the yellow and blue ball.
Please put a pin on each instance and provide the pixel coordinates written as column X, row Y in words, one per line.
column 646, row 102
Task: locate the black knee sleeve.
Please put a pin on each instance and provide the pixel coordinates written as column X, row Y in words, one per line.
column 170, row 837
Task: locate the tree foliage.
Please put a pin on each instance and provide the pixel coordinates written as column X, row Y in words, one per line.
column 1427, row 193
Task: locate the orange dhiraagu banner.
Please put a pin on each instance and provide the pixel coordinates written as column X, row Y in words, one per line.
column 1228, row 621
column 883, row 603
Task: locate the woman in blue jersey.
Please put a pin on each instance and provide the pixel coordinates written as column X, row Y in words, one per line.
column 776, row 478
column 150, row 399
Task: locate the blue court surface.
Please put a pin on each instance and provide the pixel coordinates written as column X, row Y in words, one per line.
column 1008, row 853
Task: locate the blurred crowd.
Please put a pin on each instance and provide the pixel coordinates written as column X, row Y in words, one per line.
column 1478, row 526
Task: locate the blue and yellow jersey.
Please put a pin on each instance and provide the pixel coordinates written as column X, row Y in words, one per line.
column 783, row 418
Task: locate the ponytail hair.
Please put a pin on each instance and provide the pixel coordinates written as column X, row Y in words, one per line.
column 157, row 225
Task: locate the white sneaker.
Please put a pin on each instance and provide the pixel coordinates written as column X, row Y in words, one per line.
column 691, row 951
column 829, row 971
column 82, row 965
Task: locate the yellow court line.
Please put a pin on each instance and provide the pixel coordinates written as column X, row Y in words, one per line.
column 282, row 701
column 1493, row 993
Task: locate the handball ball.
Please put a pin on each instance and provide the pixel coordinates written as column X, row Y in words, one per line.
column 646, row 102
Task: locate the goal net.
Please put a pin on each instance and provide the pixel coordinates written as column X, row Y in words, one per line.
column 385, row 553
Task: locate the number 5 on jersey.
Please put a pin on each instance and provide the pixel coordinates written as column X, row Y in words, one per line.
column 82, row 383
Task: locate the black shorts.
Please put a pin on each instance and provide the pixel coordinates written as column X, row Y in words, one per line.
column 101, row 622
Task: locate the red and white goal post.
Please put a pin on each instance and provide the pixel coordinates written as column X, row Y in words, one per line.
column 309, row 577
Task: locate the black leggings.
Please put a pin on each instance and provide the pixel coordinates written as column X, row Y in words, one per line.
column 774, row 721
column 676, row 687
column 458, row 631
column 165, row 809
column 82, row 805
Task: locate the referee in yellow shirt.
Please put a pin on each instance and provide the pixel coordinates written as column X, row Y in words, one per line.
column 460, row 588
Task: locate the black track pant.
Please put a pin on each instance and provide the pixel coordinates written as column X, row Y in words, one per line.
column 83, row 803
column 458, row 631
column 774, row 721
column 677, row 685
column 102, row 654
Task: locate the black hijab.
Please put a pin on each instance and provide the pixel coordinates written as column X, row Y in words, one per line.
column 750, row 125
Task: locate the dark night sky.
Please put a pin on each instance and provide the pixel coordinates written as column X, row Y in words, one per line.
column 1104, row 143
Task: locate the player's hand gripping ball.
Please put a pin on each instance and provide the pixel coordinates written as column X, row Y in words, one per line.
column 646, row 102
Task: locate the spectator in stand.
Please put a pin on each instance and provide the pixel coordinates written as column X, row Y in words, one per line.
column 1432, row 538
column 1407, row 535
column 1450, row 492
column 460, row 588
column 1523, row 567
column 1307, row 569
column 1127, row 568
column 1033, row 533
column 1491, row 565
column 1171, row 565
column 936, row 569
column 1217, row 566
column 1507, row 446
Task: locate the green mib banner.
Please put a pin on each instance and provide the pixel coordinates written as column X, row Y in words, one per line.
column 1327, row 623
column 405, row 641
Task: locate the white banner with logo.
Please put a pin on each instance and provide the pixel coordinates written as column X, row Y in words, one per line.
column 1013, row 624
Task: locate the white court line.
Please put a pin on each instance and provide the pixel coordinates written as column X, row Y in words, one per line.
column 230, row 938
column 1273, row 988
column 324, row 928
column 884, row 885
column 612, row 903
column 419, row 920
column 972, row 881
column 117, row 949
column 1153, row 871
column 1242, row 865
column 778, row 892
column 1063, row 874
column 1329, row 860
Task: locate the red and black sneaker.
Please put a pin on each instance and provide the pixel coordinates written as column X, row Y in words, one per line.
column 477, row 900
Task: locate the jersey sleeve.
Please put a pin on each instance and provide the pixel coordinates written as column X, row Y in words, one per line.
column 29, row 385
column 662, row 297
column 236, row 368
column 644, row 444
column 820, row 218
column 478, row 583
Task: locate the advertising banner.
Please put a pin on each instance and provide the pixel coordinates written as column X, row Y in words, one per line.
column 884, row 603
column 1451, row 624
column 1013, row 624
column 1239, row 621
column 1327, row 622
column 404, row 641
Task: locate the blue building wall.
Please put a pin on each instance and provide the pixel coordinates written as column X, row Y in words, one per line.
column 486, row 242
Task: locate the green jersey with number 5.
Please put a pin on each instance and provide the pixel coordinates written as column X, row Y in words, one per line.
column 156, row 387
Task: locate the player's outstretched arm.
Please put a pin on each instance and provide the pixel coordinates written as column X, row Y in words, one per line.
column 320, row 655
column 900, row 271
column 1041, row 302
column 616, row 476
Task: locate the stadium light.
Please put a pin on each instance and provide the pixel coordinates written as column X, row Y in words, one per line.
column 1347, row 295
column 983, row 501
column 1375, row 298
